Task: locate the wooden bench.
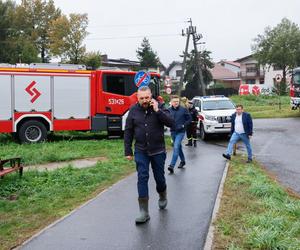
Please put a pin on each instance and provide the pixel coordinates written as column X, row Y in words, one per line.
column 10, row 165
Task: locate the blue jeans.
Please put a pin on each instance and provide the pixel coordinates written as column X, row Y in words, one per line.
column 177, row 148
column 234, row 139
column 143, row 161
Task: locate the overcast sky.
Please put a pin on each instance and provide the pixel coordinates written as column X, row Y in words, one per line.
column 228, row 26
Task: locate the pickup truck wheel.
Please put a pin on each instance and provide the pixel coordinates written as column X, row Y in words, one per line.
column 32, row 132
column 203, row 134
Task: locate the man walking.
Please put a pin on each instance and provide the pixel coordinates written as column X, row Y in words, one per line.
column 145, row 123
column 191, row 130
column 182, row 118
column 241, row 129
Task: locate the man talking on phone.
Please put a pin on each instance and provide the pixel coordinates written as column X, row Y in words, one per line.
column 145, row 123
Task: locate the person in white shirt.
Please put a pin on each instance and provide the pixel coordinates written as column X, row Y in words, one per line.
column 241, row 129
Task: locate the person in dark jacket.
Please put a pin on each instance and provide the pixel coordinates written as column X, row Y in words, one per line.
column 241, row 129
column 145, row 123
column 191, row 130
column 182, row 118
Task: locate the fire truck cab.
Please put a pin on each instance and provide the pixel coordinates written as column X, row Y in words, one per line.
column 37, row 99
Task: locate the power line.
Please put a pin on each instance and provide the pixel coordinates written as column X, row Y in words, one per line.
column 118, row 37
column 130, row 37
column 112, row 25
column 136, row 24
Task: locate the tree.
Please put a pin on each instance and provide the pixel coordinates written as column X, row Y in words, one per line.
column 92, row 59
column 15, row 46
column 33, row 19
column 147, row 57
column 192, row 77
column 67, row 35
column 22, row 51
column 6, row 10
column 279, row 47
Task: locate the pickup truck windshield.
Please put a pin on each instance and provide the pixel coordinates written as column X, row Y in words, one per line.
column 297, row 78
column 218, row 104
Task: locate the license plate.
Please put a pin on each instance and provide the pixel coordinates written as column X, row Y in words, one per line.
column 226, row 125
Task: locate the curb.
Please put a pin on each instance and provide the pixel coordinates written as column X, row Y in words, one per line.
column 210, row 235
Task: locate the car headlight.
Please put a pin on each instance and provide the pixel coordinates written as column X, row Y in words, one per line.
column 210, row 117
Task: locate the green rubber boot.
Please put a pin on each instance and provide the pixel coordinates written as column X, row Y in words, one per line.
column 162, row 202
column 144, row 213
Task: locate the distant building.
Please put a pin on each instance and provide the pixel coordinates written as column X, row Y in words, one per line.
column 224, row 72
column 122, row 63
column 271, row 73
column 233, row 66
column 174, row 70
column 251, row 72
column 226, row 75
column 126, row 64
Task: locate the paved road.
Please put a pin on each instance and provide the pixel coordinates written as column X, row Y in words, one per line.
column 276, row 144
column 107, row 222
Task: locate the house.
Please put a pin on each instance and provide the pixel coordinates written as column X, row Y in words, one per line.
column 122, row 63
column 233, row 66
column 127, row 65
column 271, row 74
column 226, row 74
column 252, row 73
column 174, row 70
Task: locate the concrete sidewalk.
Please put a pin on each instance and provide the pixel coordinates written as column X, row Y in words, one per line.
column 107, row 222
column 80, row 163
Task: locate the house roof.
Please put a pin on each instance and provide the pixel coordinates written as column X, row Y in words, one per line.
column 174, row 63
column 221, row 73
column 119, row 62
column 243, row 58
column 162, row 67
column 236, row 64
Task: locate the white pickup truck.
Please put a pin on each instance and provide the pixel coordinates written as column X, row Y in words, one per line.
column 214, row 114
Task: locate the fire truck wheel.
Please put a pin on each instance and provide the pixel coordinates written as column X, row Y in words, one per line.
column 32, row 131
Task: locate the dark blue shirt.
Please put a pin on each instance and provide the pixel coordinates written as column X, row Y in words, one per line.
column 181, row 117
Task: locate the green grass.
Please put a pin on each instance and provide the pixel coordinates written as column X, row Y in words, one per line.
column 266, row 106
column 30, row 203
column 255, row 212
column 62, row 146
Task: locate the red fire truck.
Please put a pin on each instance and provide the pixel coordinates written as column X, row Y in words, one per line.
column 295, row 89
column 37, row 99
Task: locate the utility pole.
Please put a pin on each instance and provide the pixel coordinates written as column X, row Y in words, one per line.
column 188, row 33
column 196, row 38
column 191, row 30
